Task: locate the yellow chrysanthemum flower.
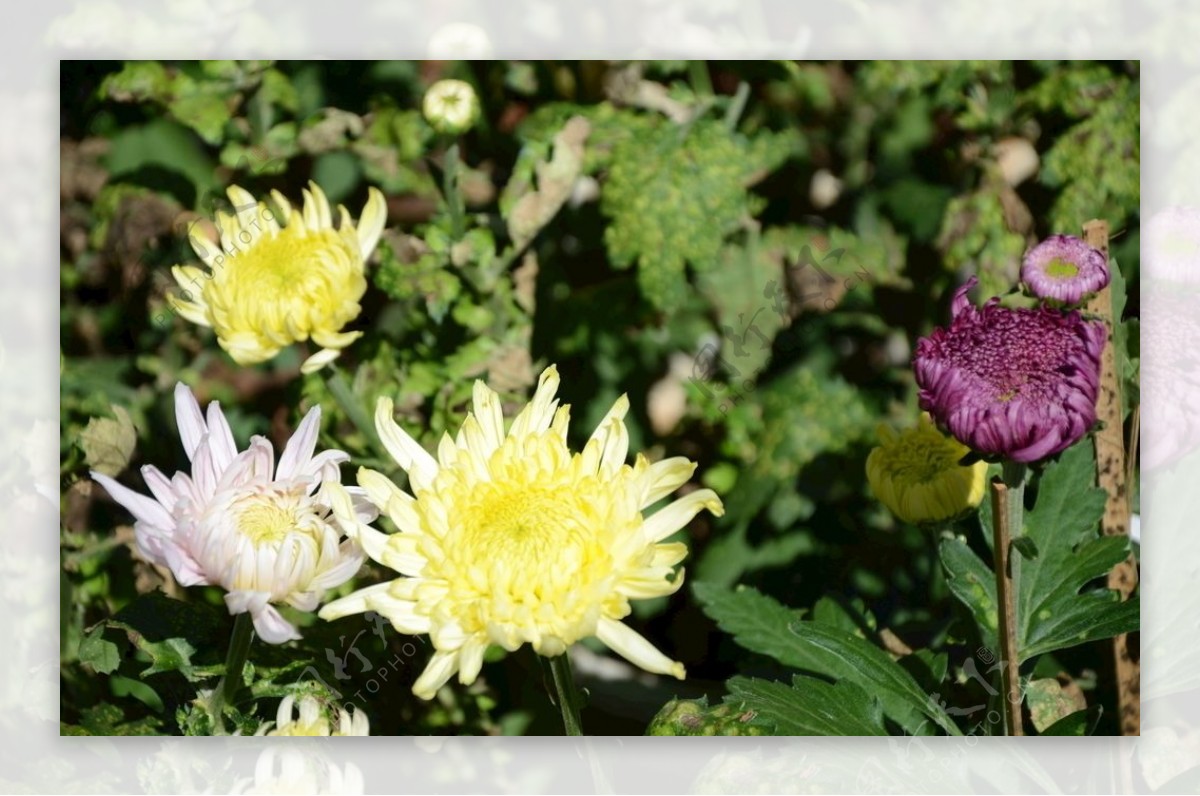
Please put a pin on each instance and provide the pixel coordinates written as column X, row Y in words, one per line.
column 269, row 286
column 313, row 722
column 916, row 473
column 511, row 538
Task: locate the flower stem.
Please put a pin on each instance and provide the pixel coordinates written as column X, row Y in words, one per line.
column 235, row 662
column 568, row 697
column 352, row 406
column 1008, row 505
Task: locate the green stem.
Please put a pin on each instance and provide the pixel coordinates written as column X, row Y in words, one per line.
column 568, row 697
column 352, row 406
column 450, row 188
column 235, row 662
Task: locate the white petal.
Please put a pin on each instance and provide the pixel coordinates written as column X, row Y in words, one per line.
column 160, row 486
column 674, row 516
column 631, row 646
column 489, row 414
column 613, row 437
column 220, row 438
column 268, row 623
column 470, row 660
column 185, row 568
column 537, row 416
column 371, row 222
column 324, row 217
column 188, row 417
column 319, row 359
column 143, row 508
column 665, row 477
column 440, row 669
column 299, row 449
column 404, row 449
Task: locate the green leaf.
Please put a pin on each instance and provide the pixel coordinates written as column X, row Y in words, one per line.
column 809, row 706
column 762, row 625
column 108, row 444
column 673, row 195
column 1052, row 611
column 106, row 719
column 974, row 584
column 1052, row 614
column 170, row 632
column 101, row 655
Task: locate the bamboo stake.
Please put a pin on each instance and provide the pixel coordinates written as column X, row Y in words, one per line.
column 1114, row 471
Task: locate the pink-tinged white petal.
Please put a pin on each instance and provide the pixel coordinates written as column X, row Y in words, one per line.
column 220, row 439
column 189, row 419
column 143, row 508
column 299, row 449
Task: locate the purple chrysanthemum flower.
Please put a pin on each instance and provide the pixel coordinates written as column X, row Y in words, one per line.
column 1015, row 383
column 1064, row 268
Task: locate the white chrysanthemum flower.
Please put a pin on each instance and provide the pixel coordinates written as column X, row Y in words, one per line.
column 313, row 721
column 262, row 532
column 511, row 538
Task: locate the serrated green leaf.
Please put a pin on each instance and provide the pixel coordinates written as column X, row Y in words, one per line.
column 762, row 625
column 1052, row 613
column 101, row 655
column 809, row 706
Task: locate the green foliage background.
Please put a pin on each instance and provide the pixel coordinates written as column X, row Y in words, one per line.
column 750, row 250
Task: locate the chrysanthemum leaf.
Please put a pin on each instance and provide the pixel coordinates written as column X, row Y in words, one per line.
column 809, row 706
column 1052, row 612
column 673, row 195
column 763, row 625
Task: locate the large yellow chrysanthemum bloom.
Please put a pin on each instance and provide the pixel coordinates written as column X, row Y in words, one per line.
column 916, row 473
column 513, row 539
column 269, row 286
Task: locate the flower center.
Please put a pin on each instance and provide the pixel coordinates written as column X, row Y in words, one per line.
column 527, row 528
column 1058, row 268
column 266, row 520
column 921, row 457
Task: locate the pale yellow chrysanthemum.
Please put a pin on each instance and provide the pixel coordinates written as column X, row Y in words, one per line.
column 511, row 538
column 916, row 473
column 269, row 286
column 313, row 721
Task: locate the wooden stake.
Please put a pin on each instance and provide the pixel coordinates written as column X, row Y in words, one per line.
column 1010, row 675
column 1114, row 471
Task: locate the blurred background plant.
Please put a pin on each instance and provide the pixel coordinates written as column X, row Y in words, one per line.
column 750, row 250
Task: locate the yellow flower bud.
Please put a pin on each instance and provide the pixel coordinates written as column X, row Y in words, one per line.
column 916, row 473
